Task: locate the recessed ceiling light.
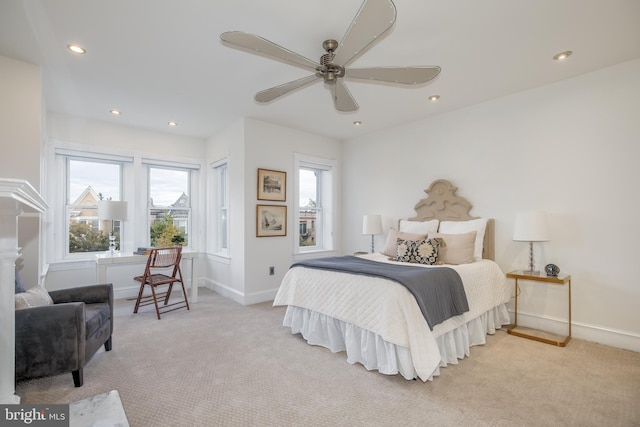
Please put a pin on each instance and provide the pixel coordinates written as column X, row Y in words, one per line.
column 563, row 55
column 172, row 124
column 76, row 49
column 115, row 112
column 434, row 98
column 357, row 123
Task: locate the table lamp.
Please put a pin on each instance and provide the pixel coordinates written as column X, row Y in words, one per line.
column 110, row 210
column 531, row 227
column 372, row 224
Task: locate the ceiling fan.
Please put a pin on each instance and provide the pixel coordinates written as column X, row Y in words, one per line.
column 375, row 18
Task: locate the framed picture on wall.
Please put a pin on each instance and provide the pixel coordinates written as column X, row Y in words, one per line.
column 272, row 185
column 271, row 220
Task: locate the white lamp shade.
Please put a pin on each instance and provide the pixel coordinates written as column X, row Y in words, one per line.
column 112, row 210
column 531, row 227
column 372, row 224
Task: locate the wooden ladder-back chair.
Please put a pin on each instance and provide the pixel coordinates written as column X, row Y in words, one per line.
column 156, row 273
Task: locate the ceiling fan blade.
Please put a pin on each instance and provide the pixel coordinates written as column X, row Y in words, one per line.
column 374, row 18
column 342, row 98
column 258, row 45
column 268, row 95
column 402, row 75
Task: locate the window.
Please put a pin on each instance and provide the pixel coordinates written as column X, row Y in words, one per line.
column 221, row 206
column 89, row 181
column 162, row 188
column 169, row 206
column 316, row 203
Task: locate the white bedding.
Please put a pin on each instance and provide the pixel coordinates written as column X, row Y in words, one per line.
column 381, row 314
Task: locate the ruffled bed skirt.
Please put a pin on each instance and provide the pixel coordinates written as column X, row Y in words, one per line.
column 374, row 353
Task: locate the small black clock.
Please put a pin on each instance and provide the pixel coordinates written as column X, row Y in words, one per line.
column 552, row 270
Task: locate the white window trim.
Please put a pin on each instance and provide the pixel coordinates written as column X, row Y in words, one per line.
column 58, row 214
column 147, row 164
column 214, row 237
column 135, row 191
column 330, row 213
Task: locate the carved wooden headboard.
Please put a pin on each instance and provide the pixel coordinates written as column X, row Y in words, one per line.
column 442, row 203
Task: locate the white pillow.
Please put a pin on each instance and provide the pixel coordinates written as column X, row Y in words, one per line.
column 418, row 227
column 33, row 297
column 458, row 227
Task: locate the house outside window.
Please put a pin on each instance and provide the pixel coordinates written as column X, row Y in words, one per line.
column 89, row 181
column 316, row 201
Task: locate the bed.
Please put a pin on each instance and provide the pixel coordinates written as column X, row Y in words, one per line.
column 377, row 321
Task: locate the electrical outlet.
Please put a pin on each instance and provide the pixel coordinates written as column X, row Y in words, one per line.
column 272, row 271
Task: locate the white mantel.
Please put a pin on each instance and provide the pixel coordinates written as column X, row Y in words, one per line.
column 17, row 196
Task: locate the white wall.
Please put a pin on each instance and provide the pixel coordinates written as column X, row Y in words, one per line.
column 251, row 144
column 20, row 120
column 270, row 146
column 20, row 139
column 570, row 149
column 225, row 274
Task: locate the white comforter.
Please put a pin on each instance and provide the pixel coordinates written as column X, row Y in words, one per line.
column 387, row 308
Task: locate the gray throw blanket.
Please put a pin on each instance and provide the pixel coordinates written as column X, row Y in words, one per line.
column 438, row 291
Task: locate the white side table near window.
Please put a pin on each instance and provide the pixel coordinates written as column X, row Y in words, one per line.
column 534, row 334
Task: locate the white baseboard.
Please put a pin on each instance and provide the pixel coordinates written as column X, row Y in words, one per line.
column 237, row 296
column 597, row 334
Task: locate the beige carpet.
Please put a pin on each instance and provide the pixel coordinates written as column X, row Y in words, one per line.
column 226, row 364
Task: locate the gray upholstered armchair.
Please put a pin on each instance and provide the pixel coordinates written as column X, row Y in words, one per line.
column 62, row 337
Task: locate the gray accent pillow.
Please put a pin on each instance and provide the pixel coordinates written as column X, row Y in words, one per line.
column 19, row 283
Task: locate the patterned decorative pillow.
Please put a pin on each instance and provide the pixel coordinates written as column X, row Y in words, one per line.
column 418, row 251
column 392, row 241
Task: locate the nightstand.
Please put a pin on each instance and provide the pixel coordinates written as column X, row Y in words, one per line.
column 534, row 334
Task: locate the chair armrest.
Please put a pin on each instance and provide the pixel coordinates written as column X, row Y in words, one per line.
column 50, row 338
column 89, row 294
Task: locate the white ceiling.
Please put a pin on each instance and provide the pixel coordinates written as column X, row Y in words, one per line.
column 162, row 60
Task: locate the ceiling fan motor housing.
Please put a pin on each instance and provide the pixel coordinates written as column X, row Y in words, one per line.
column 327, row 69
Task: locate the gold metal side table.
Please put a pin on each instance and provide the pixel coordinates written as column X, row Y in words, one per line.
column 535, row 334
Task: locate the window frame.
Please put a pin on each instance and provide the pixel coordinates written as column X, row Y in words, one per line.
column 326, row 205
column 190, row 177
column 66, row 157
column 219, row 202
column 134, row 188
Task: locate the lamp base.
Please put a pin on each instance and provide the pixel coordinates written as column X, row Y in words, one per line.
column 112, row 243
column 531, row 272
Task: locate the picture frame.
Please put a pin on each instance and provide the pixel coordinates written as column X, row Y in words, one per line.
column 272, row 185
column 271, row 220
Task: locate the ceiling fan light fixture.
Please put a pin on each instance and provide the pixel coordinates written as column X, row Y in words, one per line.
column 562, row 55
column 76, row 49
